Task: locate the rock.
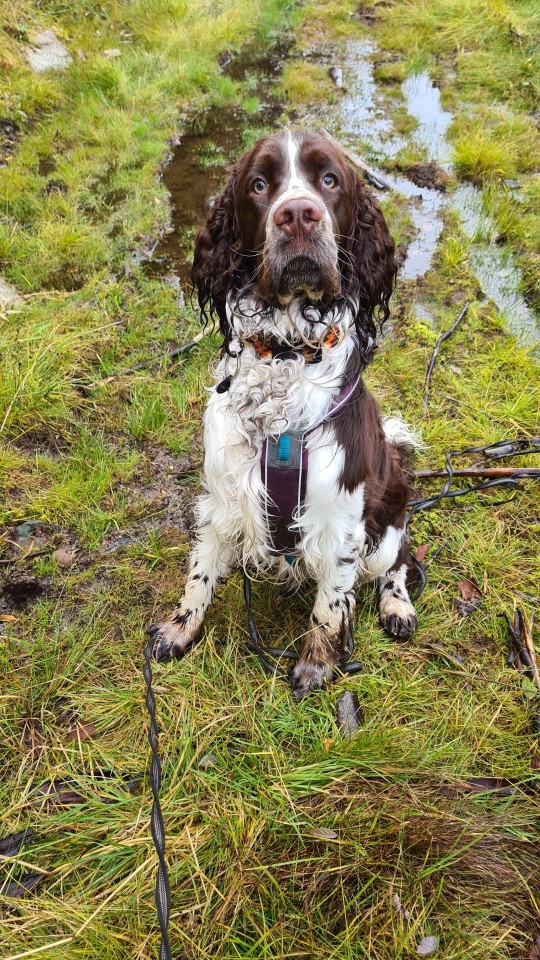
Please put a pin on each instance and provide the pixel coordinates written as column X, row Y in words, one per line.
column 336, row 74
column 47, row 53
column 348, row 714
column 209, row 760
column 8, row 294
column 428, row 946
column 27, row 528
column 112, row 53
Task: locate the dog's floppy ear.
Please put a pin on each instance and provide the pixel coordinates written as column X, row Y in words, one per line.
column 370, row 266
column 217, row 263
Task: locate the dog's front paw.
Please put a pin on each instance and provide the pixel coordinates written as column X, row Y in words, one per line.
column 398, row 618
column 175, row 635
column 308, row 675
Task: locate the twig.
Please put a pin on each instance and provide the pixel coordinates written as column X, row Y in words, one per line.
column 521, row 632
column 157, row 357
column 374, row 178
column 518, row 472
column 444, row 336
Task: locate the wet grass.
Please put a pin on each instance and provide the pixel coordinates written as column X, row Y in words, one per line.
column 109, row 468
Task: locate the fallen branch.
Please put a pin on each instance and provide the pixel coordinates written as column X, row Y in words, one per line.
column 518, row 472
column 159, row 357
column 374, row 178
column 444, row 336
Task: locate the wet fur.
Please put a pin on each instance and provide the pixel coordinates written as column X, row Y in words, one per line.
column 351, row 527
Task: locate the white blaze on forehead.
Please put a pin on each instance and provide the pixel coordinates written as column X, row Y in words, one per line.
column 295, row 183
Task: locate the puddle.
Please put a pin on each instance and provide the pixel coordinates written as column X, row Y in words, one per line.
column 423, row 101
column 362, row 118
column 196, row 172
column 493, row 266
column 362, row 111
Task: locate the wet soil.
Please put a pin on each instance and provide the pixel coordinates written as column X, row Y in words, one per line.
column 428, row 175
column 9, row 135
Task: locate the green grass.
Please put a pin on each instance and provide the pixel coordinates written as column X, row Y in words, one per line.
column 110, row 465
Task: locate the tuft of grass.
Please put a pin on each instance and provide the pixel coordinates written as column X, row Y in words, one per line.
column 305, row 82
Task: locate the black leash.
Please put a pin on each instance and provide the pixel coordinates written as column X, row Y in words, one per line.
column 269, row 657
column 163, row 890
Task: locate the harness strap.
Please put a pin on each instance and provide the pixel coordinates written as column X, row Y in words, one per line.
column 284, row 469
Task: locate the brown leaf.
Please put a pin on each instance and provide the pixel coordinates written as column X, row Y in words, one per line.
column 469, row 590
column 7, row 618
column 58, row 793
column 19, row 888
column 12, row 845
column 322, row 833
column 421, row 551
column 464, row 607
column 83, row 731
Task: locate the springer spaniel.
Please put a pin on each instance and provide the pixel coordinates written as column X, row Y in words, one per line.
column 297, row 264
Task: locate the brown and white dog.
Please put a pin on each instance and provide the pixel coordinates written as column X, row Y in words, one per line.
column 297, row 264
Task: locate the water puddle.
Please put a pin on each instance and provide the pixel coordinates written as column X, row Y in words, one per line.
column 423, row 101
column 362, row 118
column 197, row 170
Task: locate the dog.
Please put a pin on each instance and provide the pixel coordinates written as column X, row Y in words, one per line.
column 297, row 265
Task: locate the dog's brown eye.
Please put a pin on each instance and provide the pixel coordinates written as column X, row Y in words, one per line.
column 329, row 180
column 258, row 186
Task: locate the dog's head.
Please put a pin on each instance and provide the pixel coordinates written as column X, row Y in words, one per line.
column 296, row 222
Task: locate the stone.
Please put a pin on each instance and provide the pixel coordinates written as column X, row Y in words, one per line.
column 47, row 53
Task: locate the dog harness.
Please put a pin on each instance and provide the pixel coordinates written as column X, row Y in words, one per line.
column 284, row 459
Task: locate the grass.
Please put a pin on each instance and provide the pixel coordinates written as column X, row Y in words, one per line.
column 107, row 468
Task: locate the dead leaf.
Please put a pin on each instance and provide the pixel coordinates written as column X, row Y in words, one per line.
column 348, row 714
column 83, row 731
column 11, row 845
column 19, row 888
column 7, row 618
column 57, row 793
column 422, row 551
column 464, row 607
column 327, row 742
column 322, row 833
column 469, row 590
column 398, row 907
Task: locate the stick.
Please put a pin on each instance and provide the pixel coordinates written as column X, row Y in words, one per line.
column 522, row 472
column 374, row 178
column 444, row 336
column 169, row 355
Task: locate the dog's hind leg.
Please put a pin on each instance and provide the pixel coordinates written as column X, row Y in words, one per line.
column 211, row 561
column 396, row 612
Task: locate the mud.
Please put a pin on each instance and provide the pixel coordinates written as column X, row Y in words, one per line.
column 9, row 136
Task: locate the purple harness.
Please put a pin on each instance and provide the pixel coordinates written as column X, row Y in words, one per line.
column 284, row 469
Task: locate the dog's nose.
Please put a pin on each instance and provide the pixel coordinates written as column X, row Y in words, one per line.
column 297, row 218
